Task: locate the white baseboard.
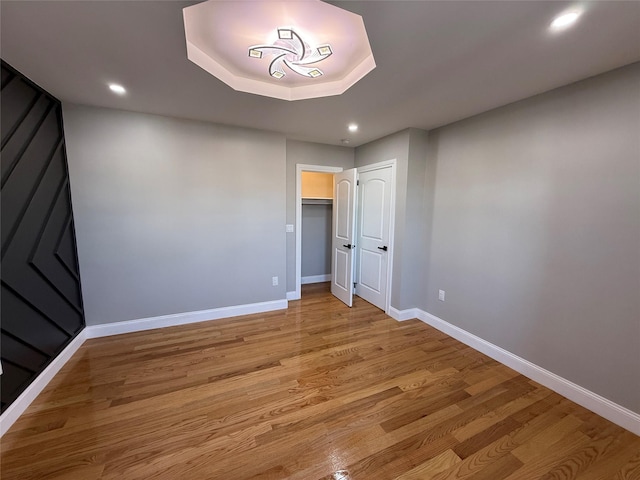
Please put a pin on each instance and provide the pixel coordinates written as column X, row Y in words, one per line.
column 605, row 408
column 315, row 279
column 402, row 315
column 128, row 326
column 13, row 412
column 295, row 295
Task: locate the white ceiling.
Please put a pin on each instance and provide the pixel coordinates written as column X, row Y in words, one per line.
column 437, row 61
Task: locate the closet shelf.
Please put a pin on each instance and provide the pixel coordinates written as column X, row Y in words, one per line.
column 317, row 201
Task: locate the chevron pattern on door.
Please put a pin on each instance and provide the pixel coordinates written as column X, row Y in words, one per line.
column 41, row 297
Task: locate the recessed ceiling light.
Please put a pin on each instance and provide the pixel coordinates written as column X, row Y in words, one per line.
column 353, row 127
column 565, row 20
column 115, row 88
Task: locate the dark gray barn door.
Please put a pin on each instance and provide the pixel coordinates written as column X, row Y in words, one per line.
column 41, row 299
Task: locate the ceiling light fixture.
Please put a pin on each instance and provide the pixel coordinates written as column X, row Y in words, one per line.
column 353, row 127
column 285, row 49
column 291, row 51
column 115, row 88
column 565, row 20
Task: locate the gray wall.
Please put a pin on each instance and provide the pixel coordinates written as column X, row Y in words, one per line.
column 536, row 231
column 316, row 240
column 309, row 154
column 414, row 252
column 172, row 215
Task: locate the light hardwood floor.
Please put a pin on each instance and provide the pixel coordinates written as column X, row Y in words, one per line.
column 318, row 391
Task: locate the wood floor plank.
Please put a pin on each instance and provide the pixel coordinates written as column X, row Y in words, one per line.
column 318, row 391
column 630, row 470
column 429, row 469
column 547, row 458
column 620, row 461
column 549, row 436
column 478, row 461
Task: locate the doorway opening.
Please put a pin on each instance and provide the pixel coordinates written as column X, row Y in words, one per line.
column 315, row 205
column 360, row 222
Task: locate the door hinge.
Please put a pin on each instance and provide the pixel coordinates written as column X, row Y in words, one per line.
column 357, row 183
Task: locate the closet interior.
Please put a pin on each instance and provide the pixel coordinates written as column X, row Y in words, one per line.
column 317, row 209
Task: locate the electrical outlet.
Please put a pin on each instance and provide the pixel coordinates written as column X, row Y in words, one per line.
column 441, row 295
column 274, row 281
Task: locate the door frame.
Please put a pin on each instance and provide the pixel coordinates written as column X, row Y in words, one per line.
column 300, row 167
column 392, row 223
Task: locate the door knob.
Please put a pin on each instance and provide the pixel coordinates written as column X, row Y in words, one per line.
column 383, row 248
column 347, row 246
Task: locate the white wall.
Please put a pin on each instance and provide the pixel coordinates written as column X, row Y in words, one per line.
column 536, row 231
column 174, row 216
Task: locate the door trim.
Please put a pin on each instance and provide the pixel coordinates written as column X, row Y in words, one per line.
column 300, row 167
column 392, row 223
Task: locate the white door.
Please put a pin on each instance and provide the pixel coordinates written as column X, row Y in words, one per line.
column 343, row 236
column 374, row 214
